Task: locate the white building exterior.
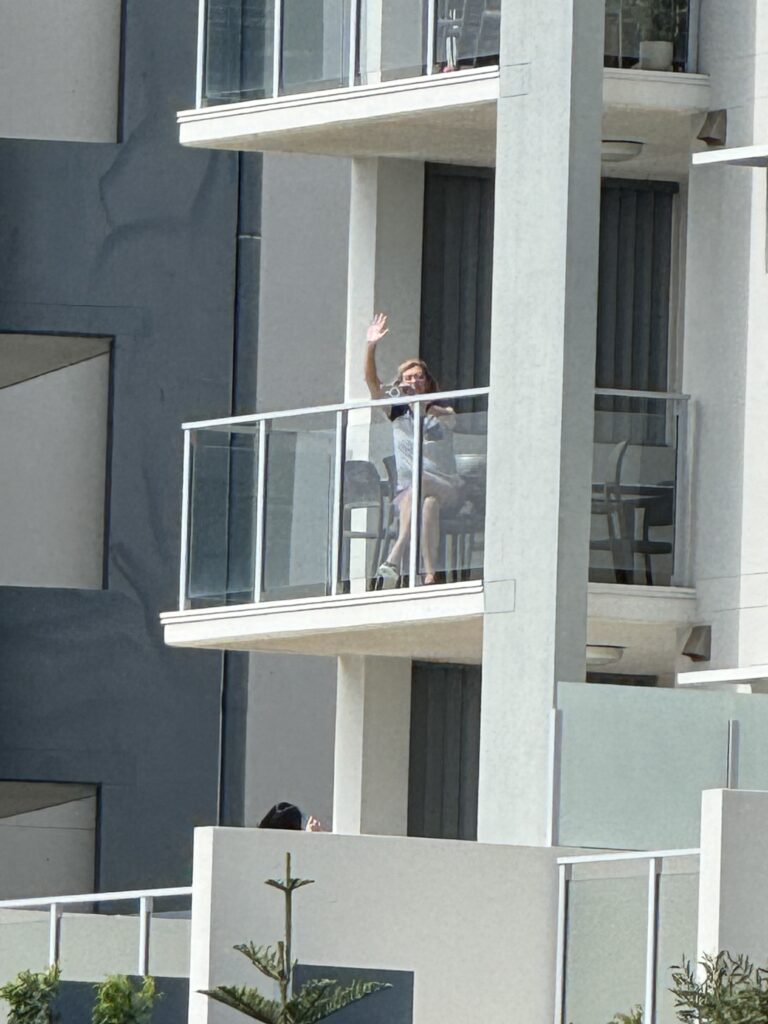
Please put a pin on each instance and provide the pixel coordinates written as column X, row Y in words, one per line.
column 587, row 795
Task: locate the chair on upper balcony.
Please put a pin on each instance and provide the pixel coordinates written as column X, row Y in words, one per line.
column 363, row 490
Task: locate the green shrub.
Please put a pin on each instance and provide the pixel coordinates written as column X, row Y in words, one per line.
column 731, row 991
column 31, row 996
column 120, row 1000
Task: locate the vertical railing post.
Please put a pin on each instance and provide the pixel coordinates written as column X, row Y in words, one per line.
column 277, row 48
column 354, row 22
column 261, row 490
column 145, row 921
column 201, row 39
column 431, row 33
column 186, row 482
column 732, row 756
column 562, row 924
column 54, row 934
column 338, row 486
column 651, row 940
column 413, row 561
column 555, row 750
column 681, row 531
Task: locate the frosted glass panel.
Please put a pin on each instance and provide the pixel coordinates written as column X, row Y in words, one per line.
column 751, row 712
column 634, row 762
column 605, row 944
column 677, row 923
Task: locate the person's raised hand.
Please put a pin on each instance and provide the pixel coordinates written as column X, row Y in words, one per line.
column 377, row 329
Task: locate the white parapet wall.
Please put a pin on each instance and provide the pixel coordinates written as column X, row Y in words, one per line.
column 474, row 924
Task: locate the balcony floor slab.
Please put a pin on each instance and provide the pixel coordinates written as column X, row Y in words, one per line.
column 442, row 623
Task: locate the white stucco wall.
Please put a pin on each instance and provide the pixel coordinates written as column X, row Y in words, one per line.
column 406, row 904
column 53, row 434
column 59, row 68
column 48, row 851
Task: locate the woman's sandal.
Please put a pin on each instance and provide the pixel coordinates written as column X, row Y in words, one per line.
column 388, row 574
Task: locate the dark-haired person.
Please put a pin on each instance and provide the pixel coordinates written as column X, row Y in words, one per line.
column 440, row 483
column 288, row 816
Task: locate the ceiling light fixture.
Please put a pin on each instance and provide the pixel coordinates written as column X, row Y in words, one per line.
column 616, row 151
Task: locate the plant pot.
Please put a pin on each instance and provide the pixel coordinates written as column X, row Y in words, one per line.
column 655, row 55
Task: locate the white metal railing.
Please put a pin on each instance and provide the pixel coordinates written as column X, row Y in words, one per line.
column 55, row 904
column 655, row 860
column 259, row 424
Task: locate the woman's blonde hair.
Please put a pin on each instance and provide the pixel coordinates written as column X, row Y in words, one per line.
column 409, row 364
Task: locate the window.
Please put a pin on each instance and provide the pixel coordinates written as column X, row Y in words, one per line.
column 48, row 832
column 54, row 394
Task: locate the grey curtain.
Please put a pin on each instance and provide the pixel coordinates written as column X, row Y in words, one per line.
column 457, row 274
column 633, row 307
column 445, row 751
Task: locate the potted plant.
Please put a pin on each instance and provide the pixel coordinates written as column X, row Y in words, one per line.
column 656, row 22
column 31, row 996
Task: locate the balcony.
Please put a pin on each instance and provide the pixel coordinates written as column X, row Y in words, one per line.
column 93, row 935
column 625, row 919
column 632, row 762
column 287, row 516
column 348, row 77
column 412, row 78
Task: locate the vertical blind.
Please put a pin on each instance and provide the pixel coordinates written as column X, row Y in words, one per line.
column 633, row 291
column 444, row 751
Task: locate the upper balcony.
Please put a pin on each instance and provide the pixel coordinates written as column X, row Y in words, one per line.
column 406, row 78
column 287, row 517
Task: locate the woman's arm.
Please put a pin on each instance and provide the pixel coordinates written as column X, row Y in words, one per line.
column 376, row 332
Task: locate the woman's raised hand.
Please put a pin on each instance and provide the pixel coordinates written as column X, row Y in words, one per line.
column 377, row 329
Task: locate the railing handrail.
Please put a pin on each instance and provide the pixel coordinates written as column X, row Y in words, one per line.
column 95, row 897
column 599, row 858
column 371, row 403
column 665, row 396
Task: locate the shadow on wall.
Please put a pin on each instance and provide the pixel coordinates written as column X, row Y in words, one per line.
column 390, row 1006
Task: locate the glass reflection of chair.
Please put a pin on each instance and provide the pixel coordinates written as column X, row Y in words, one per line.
column 363, row 492
column 658, row 512
column 610, row 505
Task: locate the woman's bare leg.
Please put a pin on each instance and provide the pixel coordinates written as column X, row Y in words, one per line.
column 404, row 530
column 430, row 535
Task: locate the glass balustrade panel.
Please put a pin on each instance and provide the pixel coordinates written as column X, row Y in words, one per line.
column 634, row 761
column 605, row 941
column 648, row 35
column 239, row 50
column 95, row 945
column 222, row 506
column 634, row 491
column 678, row 909
column 298, row 511
column 315, row 45
column 24, row 937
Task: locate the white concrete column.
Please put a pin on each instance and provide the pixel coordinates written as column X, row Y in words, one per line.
column 733, row 880
column 541, row 406
column 373, row 694
column 385, row 241
column 725, row 360
column 373, row 718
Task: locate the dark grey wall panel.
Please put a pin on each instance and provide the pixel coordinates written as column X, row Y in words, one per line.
column 137, row 241
column 388, row 1006
column 444, row 751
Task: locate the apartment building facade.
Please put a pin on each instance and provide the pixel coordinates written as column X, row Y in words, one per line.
column 514, row 188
